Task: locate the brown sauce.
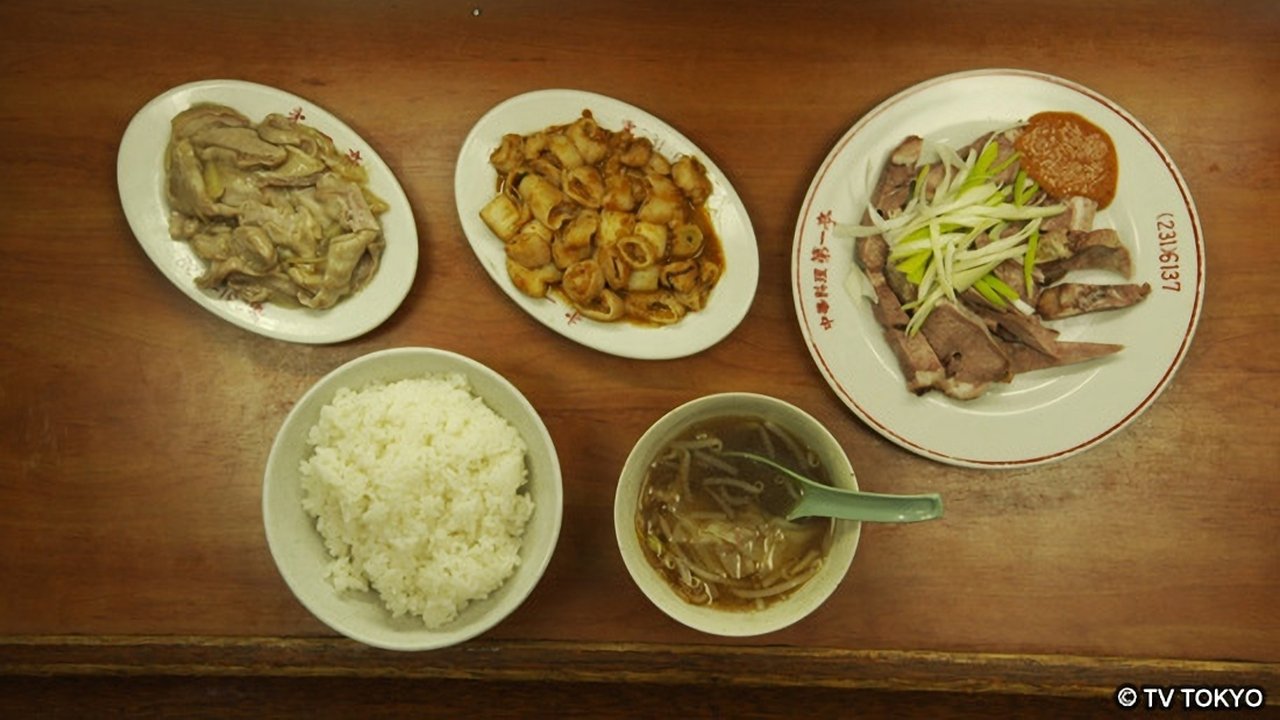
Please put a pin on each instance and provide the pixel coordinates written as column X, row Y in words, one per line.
column 1068, row 155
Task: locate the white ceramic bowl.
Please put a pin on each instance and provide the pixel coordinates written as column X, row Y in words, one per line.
column 299, row 551
column 782, row 613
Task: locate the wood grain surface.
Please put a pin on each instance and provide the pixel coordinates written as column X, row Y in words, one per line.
column 134, row 425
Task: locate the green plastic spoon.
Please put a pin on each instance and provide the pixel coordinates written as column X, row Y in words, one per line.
column 807, row 498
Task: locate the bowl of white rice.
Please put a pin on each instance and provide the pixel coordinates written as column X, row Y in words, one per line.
column 412, row 499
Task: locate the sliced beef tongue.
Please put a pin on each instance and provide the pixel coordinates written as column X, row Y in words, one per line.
column 1030, row 344
column 920, row 365
column 1068, row 299
column 1014, row 326
column 893, row 189
column 1026, row 358
column 1099, row 249
column 1077, row 217
column 965, row 347
column 1010, row 273
column 972, row 356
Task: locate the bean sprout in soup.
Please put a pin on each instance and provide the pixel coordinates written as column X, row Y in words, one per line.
column 705, row 522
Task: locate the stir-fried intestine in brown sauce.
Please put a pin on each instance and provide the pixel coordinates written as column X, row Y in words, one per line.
column 606, row 222
column 275, row 211
column 703, row 526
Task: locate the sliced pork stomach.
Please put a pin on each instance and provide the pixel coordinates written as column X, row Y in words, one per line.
column 186, row 190
column 201, row 116
column 245, row 149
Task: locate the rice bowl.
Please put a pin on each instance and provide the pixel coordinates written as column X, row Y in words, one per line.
column 416, row 489
column 412, row 499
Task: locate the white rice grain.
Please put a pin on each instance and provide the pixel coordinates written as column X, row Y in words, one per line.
column 416, row 487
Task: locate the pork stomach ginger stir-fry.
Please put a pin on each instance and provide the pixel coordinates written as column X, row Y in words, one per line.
column 276, row 212
column 604, row 221
column 705, row 522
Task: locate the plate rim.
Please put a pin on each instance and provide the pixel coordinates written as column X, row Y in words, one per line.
column 637, row 342
column 136, row 146
column 1160, row 383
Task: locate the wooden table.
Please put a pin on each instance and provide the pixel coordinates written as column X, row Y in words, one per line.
column 136, row 425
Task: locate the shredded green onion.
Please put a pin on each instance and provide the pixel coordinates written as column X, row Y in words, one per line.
column 1002, row 288
column 984, row 288
column 913, row 266
column 1029, row 260
column 981, row 169
column 1004, row 164
column 1024, row 191
column 934, row 241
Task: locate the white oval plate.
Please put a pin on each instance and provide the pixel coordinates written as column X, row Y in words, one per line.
column 140, row 174
column 1041, row 416
column 475, row 184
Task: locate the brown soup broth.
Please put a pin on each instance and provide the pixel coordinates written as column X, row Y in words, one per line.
column 702, row 526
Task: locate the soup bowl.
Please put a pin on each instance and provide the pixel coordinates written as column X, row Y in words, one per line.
column 712, row 619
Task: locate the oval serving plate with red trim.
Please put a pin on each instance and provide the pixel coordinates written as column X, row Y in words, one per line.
column 140, row 175
column 475, row 182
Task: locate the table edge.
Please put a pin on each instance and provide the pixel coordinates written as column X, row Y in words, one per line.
column 557, row 661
